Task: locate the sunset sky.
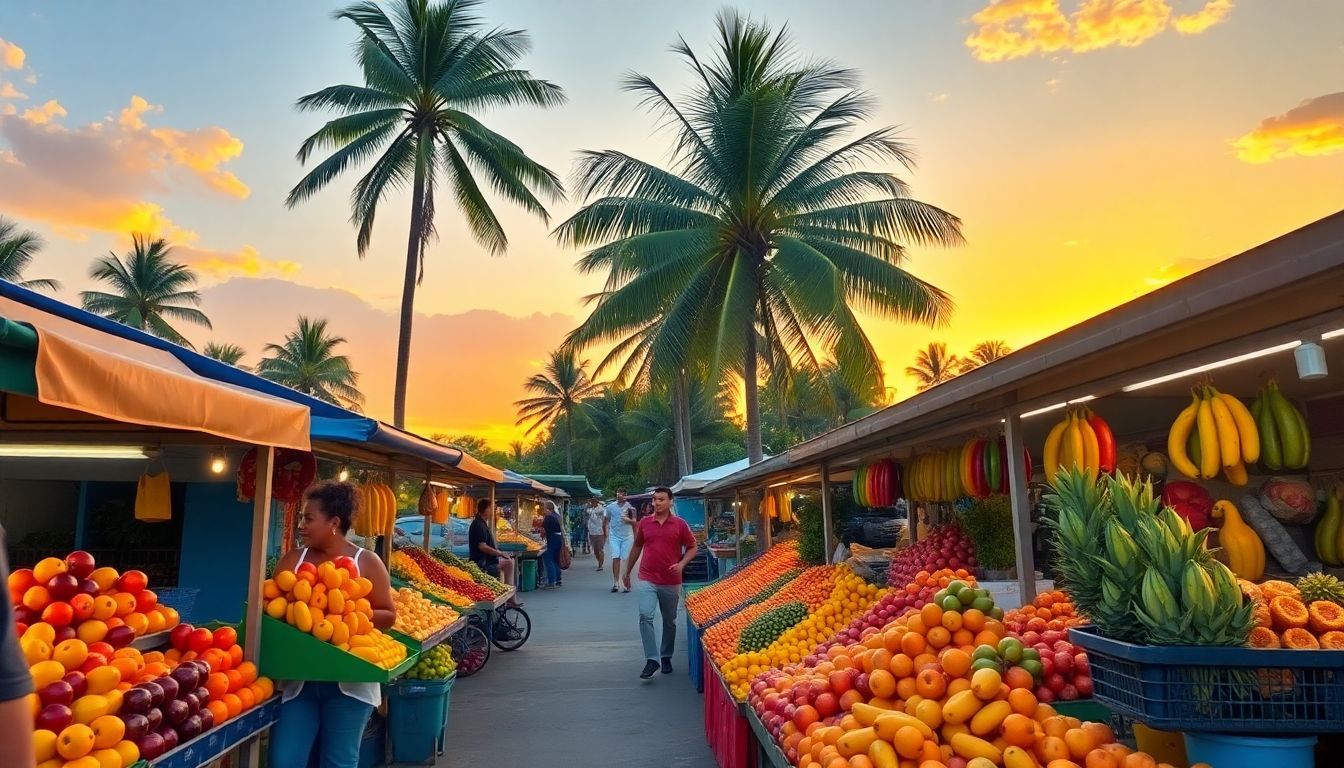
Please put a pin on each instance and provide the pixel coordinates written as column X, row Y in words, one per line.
column 1095, row 149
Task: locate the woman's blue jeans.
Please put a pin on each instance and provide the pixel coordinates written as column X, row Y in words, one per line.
column 319, row 717
column 551, row 559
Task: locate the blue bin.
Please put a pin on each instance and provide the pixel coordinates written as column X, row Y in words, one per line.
column 693, row 655
column 1226, row 751
column 417, row 712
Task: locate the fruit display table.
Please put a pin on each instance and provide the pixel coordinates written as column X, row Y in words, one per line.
column 219, row 741
column 768, row 754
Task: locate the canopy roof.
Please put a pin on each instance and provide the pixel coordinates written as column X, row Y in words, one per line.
column 696, row 482
column 1282, row 291
column 577, row 486
column 326, row 428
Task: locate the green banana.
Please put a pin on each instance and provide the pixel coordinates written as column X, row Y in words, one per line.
column 1271, row 447
column 1327, row 533
column 1306, row 437
column 1290, row 428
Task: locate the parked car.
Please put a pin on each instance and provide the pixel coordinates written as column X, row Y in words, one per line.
column 410, row 531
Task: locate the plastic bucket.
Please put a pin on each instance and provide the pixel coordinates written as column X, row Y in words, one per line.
column 1164, row 746
column 527, row 575
column 1225, row 751
column 416, row 713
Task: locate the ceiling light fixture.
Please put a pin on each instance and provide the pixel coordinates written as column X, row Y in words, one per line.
column 1211, row 366
column 344, row 474
column 1057, row 406
column 219, row 461
column 1333, row 334
column 72, row 451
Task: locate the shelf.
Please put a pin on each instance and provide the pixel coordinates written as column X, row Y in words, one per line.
column 154, row 642
column 219, row 741
column 434, row 639
column 769, row 750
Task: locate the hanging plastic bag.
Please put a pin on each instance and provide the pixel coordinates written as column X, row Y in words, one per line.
column 153, row 498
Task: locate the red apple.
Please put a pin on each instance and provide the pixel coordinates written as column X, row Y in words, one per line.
column 200, row 640
column 132, row 581
column 56, row 692
column 151, row 745
column 63, row 586
column 77, row 682
column 178, row 636
column 136, row 726
column 54, row 718
column 80, row 563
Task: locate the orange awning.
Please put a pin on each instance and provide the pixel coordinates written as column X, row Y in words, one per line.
column 87, row 370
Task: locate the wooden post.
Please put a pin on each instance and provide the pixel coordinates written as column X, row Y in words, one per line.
column 1017, row 490
column 261, row 528
column 765, row 520
column 429, row 519
column 737, row 522
column 827, row 533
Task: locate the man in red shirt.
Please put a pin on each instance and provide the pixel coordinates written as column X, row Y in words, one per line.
column 669, row 545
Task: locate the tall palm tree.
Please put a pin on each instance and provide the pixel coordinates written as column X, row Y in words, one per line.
column 762, row 233
column 231, row 354
column 934, row 365
column 650, row 427
column 427, row 67
column 558, row 392
column 517, row 450
column 17, row 249
column 149, row 290
column 306, row 361
column 985, row 353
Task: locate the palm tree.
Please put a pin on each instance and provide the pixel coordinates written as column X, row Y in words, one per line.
column 985, row 353
column 307, row 362
column 761, row 235
column 426, row 68
column 933, row 365
column 150, row 289
column 650, row 426
column 231, row 354
column 517, row 450
column 17, row 249
column 559, row 390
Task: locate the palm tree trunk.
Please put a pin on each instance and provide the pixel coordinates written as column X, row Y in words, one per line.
column 681, row 424
column 753, row 397
column 414, row 244
column 569, row 444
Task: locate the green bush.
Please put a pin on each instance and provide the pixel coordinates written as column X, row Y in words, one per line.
column 989, row 523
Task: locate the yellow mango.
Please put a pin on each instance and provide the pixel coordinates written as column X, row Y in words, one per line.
column 303, row 591
column 323, row 630
column 888, row 723
column 883, row 755
column 366, row 653
column 856, row 742
column 340, row 633
column 990, row 717
column 1017, row 757
column 866, row 714
column 336, row 602
column 303, row 618
column 960, row 708
column 969, row 747
column 276, row 608
column 285, row 580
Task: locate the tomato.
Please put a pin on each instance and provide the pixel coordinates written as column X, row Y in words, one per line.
column 200, row 640
column 348, row 564
column 178, row 636
column 225, row 638
column 133, row 582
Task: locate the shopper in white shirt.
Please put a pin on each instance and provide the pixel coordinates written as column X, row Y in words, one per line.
column 620, row 535
column 595, row 518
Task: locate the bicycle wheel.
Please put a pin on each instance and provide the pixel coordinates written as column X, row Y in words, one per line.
column 471, row 649
column 512, row 628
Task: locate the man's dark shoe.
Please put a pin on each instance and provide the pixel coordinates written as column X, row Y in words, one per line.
column 650, row 667
column 667, row 666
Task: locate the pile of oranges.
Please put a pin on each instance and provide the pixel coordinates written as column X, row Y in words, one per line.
column 849, row 597
column 737, row 588
column 919, row 693
column 1055, row 610
column 812, row 587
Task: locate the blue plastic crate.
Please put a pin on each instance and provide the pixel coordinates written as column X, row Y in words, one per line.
column 693, row 655
column 1201, row 689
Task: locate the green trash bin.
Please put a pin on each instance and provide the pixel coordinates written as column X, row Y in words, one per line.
column 527, row 576
column 417, row 714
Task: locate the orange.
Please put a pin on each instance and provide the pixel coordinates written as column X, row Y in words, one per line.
column 891, row 639
column 915, row 624
column 1019, row 730
column 860, row 761
column 905, row 687
column 1138, row 760
column 1100, row 758
column 1056, row 726
column 1023, row 702
column 217, row 684
column 235, row 704
column 881, row 659
column 902, row 665
column 908, row 741
column 1052, row 748
column 912, row 644
column 930, row 684
column 127, row 667
column 248, row 698
column 963, row 638
column 236, row 655
column 1101, row 733
column 138, row 622
column 952, row 621
column 249, row 672
column 235, row 679
column 217, row 659
column 931, row 614
column 157, row 623
column 958, row 685
column 956, row 662
column 1017, row 677
column 1079, row 743
column 219, row 709
column 939, row 637
column 986, row 637
column 148, row 658
column 973, row 619
column 882, row 683
column 156, row 669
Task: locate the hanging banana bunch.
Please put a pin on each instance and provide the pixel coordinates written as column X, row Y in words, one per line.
column 1217, row 433
column 1081, row 440
column 1286, row 442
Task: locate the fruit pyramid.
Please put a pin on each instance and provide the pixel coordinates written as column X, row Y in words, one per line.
column 419, row 617
column 743, row 583
column 331, row 604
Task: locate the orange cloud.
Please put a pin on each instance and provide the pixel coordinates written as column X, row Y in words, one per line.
column 8, row 91
column 1311, row 129
column 244, row 262
column 1010, row 29
column 11, row 55
column 100, row 176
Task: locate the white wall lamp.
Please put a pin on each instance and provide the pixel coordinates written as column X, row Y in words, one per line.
column 219, row 461
column 1310, row 358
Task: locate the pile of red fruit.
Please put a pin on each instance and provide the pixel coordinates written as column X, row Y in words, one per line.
column 438, row 573
column 1043, row 625
column 947, row 546
column 80, row 600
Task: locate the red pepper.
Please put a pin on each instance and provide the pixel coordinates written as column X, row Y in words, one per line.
column 1105, row 443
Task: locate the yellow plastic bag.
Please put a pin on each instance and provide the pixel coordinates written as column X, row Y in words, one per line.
column 153, row 498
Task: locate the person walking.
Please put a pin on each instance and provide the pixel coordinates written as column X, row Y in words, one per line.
column 555, row 542
column 596, row 520
column 620, row 535
column 667, row 544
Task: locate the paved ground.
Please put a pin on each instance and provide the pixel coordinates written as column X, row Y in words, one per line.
column 572, row 696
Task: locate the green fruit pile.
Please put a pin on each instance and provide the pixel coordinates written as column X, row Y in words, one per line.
column 770, row 625
column 1010, row 652
column 435, row 664
column 958, row 596
column 477, row 575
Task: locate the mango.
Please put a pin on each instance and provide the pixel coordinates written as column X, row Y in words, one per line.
column 990, row 717
column 969, row 747
column 960, row 708
column 856, row 742
column 303, row 617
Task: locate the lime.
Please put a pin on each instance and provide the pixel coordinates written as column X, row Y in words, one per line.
column 956, row 586
column 996, row 613
column 966, row 596
column 940, row 595
column 982, row 592
column 1011, row 649
column 982, row 604
column 1031, row 654
column 985, row 651
column 980, row 664
column 951, row 603
column 1034, row 667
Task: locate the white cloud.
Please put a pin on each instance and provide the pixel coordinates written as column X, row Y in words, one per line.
column 1311, row 129
column 1010, row 29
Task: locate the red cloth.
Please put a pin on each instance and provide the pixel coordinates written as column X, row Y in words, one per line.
column 664, row 544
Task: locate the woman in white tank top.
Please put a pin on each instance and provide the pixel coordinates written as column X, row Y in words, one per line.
column 330, row 715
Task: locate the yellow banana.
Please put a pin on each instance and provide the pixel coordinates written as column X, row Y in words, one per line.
column 1179, row 437
column 1091, row 450
column 1053, row 443
column 1247, row 435
column 1073, row 444
column 966, row 465
column 1229, row 443
column 1236, row 474
column 1208, row 440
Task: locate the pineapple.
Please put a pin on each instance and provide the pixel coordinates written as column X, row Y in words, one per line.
column 1321, row 586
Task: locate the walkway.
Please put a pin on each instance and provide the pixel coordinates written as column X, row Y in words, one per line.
column 572, row 696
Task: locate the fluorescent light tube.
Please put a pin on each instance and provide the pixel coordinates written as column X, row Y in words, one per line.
column 72, row 451
column 1211, row 366
column 1333, row 334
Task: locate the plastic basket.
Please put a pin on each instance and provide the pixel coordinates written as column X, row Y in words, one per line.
column 417, row 711
column 180, row 599
column 1191, row 688
column 288, row 654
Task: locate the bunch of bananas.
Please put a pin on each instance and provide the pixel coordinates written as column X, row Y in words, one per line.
column 377, row 510
column 935, row 476
column 1081, row 439
column 1285, row 441
column 1214, row 433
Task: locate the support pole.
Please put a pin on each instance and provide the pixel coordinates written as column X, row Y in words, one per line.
column 827, row 532
column 1017, row 490
column 737, row 523
column 261, row 528
column 769, row 536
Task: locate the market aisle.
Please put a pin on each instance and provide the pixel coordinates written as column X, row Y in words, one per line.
column 572, row 696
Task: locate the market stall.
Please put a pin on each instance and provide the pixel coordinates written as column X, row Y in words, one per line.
column 1217, row 391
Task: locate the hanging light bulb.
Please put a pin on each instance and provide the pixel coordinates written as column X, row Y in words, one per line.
column 219, row 461
column 344, row 474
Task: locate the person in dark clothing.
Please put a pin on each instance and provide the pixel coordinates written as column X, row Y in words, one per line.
column 482, row 550
column 16, row 721
column 555, row 541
